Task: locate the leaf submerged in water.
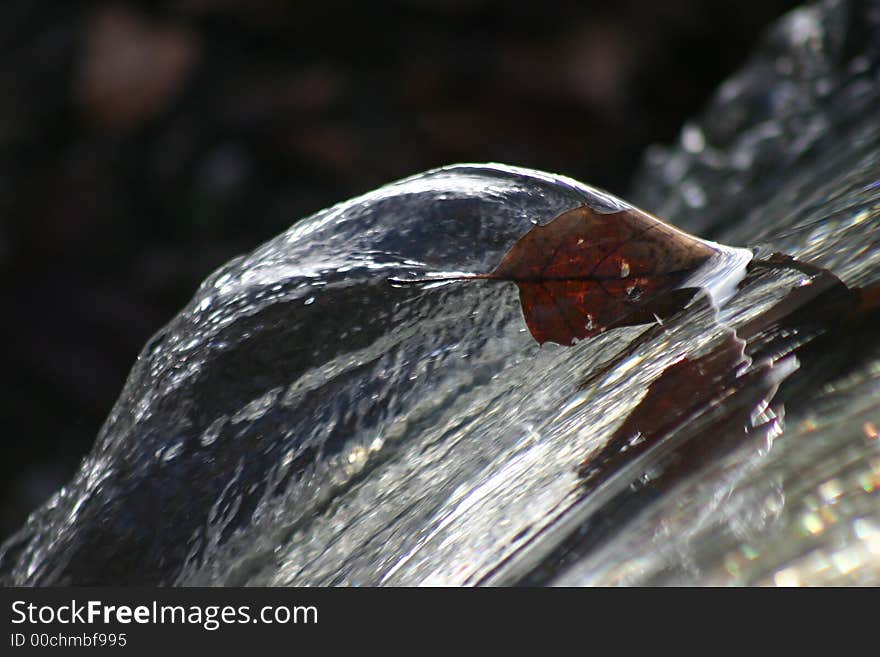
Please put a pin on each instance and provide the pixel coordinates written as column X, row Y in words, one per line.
column 816, row 332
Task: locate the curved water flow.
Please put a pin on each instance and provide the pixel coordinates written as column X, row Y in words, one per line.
column 304, row 422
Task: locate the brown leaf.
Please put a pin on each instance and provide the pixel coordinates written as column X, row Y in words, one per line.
column 817, row 332
column 585, row 271
column 677, row 395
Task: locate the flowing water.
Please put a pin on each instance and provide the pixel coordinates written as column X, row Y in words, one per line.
column 305, row 422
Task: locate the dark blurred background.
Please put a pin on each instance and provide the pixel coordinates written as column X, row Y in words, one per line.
column 142, row 144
